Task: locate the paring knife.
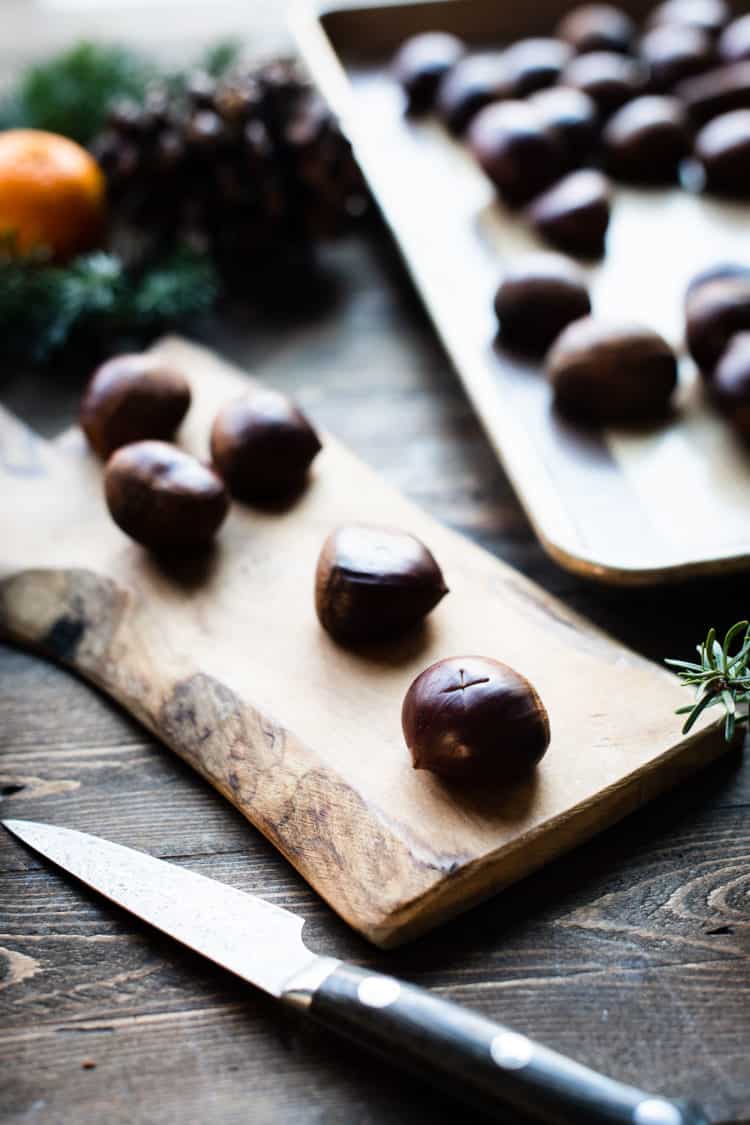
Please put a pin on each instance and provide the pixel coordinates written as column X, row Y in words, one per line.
column 471, row 1056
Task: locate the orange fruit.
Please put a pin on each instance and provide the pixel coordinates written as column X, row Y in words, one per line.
column 51, row 193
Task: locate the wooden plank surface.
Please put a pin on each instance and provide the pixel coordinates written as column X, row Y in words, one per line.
column 224, row 659
column 633, row 956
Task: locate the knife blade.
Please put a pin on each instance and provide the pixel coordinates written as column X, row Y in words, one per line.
column 475, row 1058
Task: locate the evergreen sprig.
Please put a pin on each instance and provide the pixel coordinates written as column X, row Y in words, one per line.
column 721, row 679
column 96, row 297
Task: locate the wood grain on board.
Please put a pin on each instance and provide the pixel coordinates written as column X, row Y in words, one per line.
column 222, row 656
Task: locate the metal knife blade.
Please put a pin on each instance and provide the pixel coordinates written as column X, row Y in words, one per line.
column 477, row 1059
column 247, row 935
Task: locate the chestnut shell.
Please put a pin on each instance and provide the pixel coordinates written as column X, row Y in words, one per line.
column 263, row 445
column 574, row 213
column 606, row 373
column 723, row 148
column 375, row 583
column 715, row 310
column 537, row 297
column 162, row 497
column 646, row 140
column 420, row 64
column 470, row 718
column 730, row 386
column 132, row 398
column 597, row 27
column 516, row 149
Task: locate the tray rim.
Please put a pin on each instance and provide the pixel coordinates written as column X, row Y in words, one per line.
column 306, row 20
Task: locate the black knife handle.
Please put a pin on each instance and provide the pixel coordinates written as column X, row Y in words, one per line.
column 480, row 1060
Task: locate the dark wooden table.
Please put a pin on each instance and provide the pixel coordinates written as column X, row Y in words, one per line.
column 630, row 954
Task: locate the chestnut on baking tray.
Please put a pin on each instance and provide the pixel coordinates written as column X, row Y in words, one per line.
column 674, row 53
column 723, row 149
column 533, row 64
column 375, row 583
column 604, row 373
column 470, row 718
column 597, row 27
column 708, row 15
column 715, row 310
column 572, row 115
column 574, row 213
column 609, row 79
column 537, row 297
column 734, row 41
column 132, row 398
column 474, row 82
column 646, row 140
column 730, row 386
column 421, row 62
column 516, row 149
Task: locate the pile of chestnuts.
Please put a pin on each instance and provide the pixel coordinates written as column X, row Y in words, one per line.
column 667, row 103
column 466, row 719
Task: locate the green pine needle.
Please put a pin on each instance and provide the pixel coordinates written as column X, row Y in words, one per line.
column 720, row 679
column 94, row 297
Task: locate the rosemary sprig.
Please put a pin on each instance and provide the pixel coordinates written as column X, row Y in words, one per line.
column 721, row 679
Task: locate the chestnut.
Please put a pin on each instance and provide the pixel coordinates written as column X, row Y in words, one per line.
column 421, row 62
column 572, row 115
column 474, row 82
column 533, row 64
column 470, row 718
column 607, row 373
column 515, row 148
column 162, row 497
column 730, row 386
column 609, row 79
column 263, row 445
column 675, row 53
column 707, row 15
column 131, row 398
column 597, row 27
column 719, row 272
column 714, row 312
column 717, row 91
column 375, row 583
column 646, row 140
column 723, row 149
column 734, row 41
column 574, row 214
column 538, row 296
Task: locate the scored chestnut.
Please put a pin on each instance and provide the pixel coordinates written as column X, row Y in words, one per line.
column 470, row 718
column 574, row 214
column 132, row 398
column 607, row 373
column 375, row 583
column 162, row 497
column 421, row 62
column 263, row 446
column 537, row 297
column 646, row 140
column 515, row 148
column 597, row 27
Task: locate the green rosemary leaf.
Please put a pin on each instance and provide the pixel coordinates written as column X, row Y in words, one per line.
column 684, row 664
column 722, row 679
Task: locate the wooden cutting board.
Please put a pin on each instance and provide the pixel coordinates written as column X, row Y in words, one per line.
column 224, row 660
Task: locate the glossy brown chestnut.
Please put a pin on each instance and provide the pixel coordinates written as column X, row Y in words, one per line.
column 474, row 82
column 132, row 398
column 538, row 296
column 162, row 497
column 714, row 312
column 469, row 718
column 734, row 41
column 574, row 214
column 730, row 386
column 672, row 54
column 647, row 139
column 534, row 64
column 609, row 79
column 720, row 90
column 515, row 148
column 420, row 64
column 607, row 373
column 720, row 272
column 572, row 115
column 597, row 27
column 263, row 445
column 375, row 583
column 707, row 15
column 723, row 149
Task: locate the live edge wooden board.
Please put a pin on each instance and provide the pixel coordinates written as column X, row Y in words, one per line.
column 223, row 658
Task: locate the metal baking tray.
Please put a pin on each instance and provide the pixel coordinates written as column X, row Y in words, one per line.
column 621, row 507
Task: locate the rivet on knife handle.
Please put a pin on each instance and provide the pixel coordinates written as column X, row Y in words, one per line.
column 482, row 1061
